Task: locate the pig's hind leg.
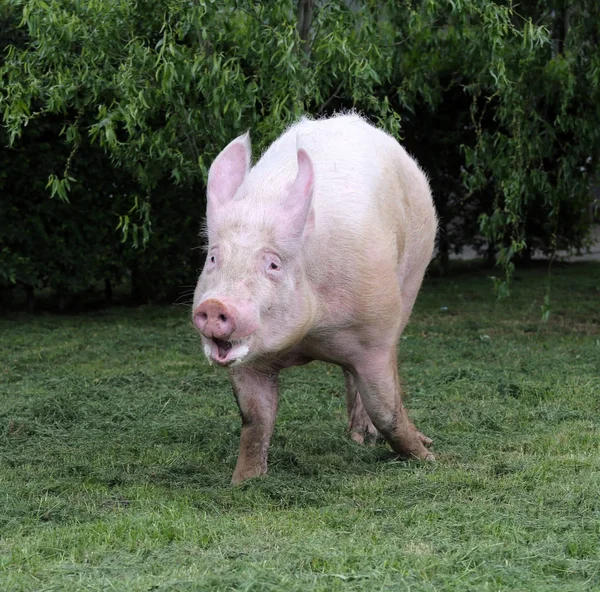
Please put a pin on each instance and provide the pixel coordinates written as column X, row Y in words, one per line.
column 376, row 377
column 360, row 426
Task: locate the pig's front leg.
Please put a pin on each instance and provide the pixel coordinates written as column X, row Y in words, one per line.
column 256, row 393
column 376, row 376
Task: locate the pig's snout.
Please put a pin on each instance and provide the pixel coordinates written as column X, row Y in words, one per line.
column 219, row 319
column 214, row 319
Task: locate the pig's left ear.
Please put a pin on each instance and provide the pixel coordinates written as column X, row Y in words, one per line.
column 299, row 213
column 227, row 173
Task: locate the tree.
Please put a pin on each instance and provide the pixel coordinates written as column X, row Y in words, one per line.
column 500, row 106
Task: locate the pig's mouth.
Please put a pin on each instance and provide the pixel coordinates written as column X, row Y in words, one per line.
column 225, row 352
column 223, row 347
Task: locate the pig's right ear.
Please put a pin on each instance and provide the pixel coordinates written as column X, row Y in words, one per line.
column 227, row 173
column 299, row 214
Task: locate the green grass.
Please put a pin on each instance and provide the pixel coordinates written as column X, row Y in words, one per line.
column 117, row 444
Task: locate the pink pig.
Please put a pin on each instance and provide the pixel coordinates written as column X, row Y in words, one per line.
column 317, row 252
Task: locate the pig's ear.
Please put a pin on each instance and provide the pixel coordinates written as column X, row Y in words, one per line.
column 299, row 214
column 227, row 173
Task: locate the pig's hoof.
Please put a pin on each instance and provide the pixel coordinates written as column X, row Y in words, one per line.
column 358, row 437
column 240, row 475
column 424, row 439
column 413, row 446
column 239, row 479
column 368, row 435
column 421, row 452
column 423, row 455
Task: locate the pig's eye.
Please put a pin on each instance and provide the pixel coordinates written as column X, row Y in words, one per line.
column 211, row 259
column 272, row 264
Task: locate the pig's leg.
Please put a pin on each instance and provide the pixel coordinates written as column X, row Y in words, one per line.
column 256, row 394
column 359, row 424
column 376, row 376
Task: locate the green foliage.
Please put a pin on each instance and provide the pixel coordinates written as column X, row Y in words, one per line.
column 495, row 112
column 539, row 156
column 500, row 103
column 117, row 444
column 169, row 83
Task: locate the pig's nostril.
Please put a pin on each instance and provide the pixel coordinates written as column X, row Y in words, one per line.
column 222, row 318
column 203, row 315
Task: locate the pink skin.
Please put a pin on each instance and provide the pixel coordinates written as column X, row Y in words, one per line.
column 217, row 318
column 294, row 275
column 252, row 279
column 223, row 322
column 230, row 324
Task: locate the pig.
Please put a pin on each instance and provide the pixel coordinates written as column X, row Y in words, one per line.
column 317, row 252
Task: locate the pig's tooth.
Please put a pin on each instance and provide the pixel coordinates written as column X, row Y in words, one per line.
column 207, row 353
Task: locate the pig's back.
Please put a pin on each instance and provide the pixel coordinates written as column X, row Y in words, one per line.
column 356, row 167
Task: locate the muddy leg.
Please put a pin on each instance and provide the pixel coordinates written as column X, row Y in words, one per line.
column 377, row 379
column 256, row 395
column 360, row 426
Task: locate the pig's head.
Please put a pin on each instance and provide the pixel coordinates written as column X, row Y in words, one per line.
column 250, row 300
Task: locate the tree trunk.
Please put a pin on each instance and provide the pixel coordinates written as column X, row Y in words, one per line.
column 137, row 293
column 561, row 27
column 29, row 299
column 108, row 291
column 444, row 252
column 62, row 302
column 305, row 13
column 443, row 243
column 490, row 255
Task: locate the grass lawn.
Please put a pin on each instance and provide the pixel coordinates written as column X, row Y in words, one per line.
column 118, row 441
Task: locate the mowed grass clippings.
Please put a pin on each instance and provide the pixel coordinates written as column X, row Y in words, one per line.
column 118, row 441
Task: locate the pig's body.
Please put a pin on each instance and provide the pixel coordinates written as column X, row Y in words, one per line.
column 374, row 219
column 348, row 219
